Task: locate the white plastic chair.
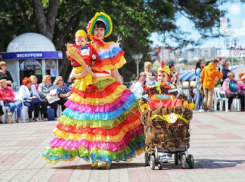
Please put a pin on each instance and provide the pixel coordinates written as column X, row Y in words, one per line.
column 236, row 103
column 217, row 98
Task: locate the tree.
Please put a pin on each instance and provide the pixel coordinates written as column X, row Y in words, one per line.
column 133, row 21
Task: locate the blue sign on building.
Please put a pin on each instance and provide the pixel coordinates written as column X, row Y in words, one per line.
column 32, row 55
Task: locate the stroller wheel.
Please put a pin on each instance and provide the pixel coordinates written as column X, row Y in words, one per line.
column 190, row 161
column 147, row 160
column 176, row 158
column 152, row 162
column 160, row 165
column 183, row 161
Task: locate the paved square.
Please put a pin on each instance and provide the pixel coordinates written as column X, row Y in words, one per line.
column 217, row 143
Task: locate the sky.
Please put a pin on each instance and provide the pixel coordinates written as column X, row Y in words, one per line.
column 235, row 13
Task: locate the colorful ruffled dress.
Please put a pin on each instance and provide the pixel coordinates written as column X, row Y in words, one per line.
column 101, row 125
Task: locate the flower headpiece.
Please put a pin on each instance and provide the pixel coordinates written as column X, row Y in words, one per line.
column 106, row 19
column 164, row 68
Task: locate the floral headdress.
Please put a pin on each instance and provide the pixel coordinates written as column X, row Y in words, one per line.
column 100, row 16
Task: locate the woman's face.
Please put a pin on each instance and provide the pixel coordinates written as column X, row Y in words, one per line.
column 4, row 67
column 34, row 81
column 201, row 64
column 4, row 84
column 150, row 68
column 162, row 78
column 48, row 81
column 231, row 77
column 29, row 84
column 60, row 81
column 99, row 33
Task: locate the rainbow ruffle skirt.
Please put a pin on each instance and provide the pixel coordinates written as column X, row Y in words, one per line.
column 101, row 125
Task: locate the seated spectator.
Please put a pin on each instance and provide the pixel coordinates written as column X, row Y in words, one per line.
column 174, row 77
column 225, row 71
column 1, row 114
column 191, row 94
column 34, row 81
column 4, row 74
column 63, row 91
column 44, row 91
column 232, row 90
column 30, row 97
column 242, row 83
column 135, row 81
column 7, row 95
column 139, row 86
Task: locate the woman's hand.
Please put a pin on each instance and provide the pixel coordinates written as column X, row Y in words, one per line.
column 33, row 97
column 8, row 82
column 68, row 94
column 87, row 70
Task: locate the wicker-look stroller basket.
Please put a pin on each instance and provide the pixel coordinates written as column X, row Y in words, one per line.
column 166, row 129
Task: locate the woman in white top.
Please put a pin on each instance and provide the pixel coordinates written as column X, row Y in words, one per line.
column 149, row 73
column 29, row 95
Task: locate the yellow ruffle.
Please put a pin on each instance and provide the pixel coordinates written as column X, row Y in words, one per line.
column 111, row 67
column 96, row 137
column 54, row 162
column 98, row 101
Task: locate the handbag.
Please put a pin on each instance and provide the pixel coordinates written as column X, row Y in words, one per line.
column 52, row 99
column 51, row 114
column 9, row 116
column 201, row 89
column 33, row 101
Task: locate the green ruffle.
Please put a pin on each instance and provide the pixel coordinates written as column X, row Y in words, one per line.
column 84, row 152
column 105, row 124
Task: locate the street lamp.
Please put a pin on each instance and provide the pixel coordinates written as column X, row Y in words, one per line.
column 177, row 54
column 137, row 58
column 231, row 45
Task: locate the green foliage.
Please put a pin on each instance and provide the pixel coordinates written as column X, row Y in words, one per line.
column 133, row 22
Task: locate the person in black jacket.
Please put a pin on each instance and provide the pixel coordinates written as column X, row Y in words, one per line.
column 4, row 74
column 1, row 113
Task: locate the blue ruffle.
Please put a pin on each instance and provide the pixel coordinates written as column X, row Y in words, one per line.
column 93, row 155
column 112, row 53
column 100, row 116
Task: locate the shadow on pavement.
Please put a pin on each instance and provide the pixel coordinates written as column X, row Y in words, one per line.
column 114, row 166
column 199, row 164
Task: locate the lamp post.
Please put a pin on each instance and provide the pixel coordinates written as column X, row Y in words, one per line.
column 231, row 45
column 177, row 54
column 137, row 58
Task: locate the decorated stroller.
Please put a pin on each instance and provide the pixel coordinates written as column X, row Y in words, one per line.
column 166, row 125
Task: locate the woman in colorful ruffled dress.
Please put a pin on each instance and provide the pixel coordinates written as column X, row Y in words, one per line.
column 102, row 125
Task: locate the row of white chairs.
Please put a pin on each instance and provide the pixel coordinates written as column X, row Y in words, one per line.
column 236, row 103
column 24, row 113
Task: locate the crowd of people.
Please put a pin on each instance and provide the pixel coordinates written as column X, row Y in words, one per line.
column 34, row 96
column 208, row 77
column 37, row 97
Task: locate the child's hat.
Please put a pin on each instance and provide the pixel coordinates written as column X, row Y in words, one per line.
column 81, row 33
column 164, row 68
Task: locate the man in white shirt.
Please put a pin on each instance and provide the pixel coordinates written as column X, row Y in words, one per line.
column 139, row 86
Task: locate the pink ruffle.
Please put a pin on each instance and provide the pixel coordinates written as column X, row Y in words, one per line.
column 112, row 146
column 99, row 108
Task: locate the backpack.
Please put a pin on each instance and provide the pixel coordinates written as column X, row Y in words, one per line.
column 9, row 116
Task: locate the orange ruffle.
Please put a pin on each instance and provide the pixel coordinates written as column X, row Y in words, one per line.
column 110, row 63
column 106, row 92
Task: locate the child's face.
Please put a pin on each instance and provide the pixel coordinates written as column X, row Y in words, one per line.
column 81, row 41
column 162, row 78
